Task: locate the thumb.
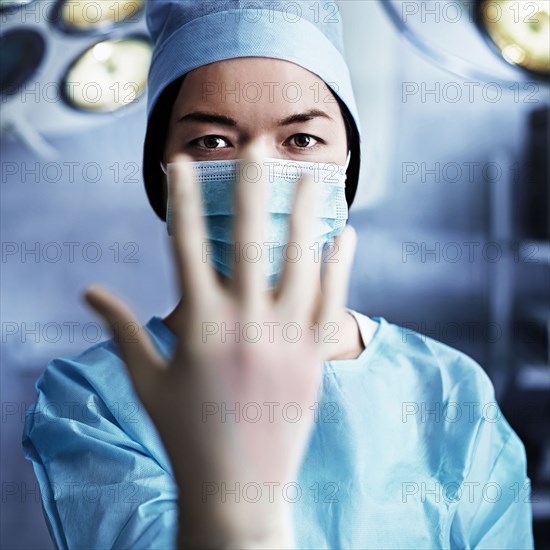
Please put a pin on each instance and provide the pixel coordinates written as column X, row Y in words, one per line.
column 137, row 350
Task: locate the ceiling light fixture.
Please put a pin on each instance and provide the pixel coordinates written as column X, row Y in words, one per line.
column 109, row 75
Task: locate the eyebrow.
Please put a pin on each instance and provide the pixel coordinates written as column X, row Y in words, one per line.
column 214, row 118
column 303, row 117
column 200, row 116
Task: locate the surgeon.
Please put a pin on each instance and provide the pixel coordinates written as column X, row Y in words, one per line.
column 261, row 412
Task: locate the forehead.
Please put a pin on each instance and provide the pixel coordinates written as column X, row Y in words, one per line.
column 256, row 81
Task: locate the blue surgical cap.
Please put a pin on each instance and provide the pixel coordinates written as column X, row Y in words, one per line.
column 188, row 34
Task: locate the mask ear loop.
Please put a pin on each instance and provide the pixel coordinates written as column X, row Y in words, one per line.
column 168, row 204
column 347, row 160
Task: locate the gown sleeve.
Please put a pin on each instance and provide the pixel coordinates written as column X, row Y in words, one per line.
column 510, row 523
column 494, row 506
column 104, row 478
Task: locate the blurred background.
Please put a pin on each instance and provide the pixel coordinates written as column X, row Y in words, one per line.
column 452, row 210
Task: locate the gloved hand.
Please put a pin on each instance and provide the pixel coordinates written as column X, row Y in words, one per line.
column 213, row 372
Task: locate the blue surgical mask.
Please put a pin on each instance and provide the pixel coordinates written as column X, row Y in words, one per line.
column 217, row 182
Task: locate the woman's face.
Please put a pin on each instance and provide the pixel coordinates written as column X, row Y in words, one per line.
column 223, row 107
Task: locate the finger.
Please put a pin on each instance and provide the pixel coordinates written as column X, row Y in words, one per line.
column 191, row 246
column 298, row 285
column 138, row 352
column 250, row 215
column 335, row 282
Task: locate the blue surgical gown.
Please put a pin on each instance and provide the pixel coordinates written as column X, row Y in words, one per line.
column 409, row 450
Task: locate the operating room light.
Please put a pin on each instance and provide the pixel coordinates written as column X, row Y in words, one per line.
column 21, row 52
column 13, row 4
column 109, row 75
column 79, row 16
column 520, row 31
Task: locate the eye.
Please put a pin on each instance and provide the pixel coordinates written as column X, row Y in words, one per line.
column 210, row 142
column 305, row 141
